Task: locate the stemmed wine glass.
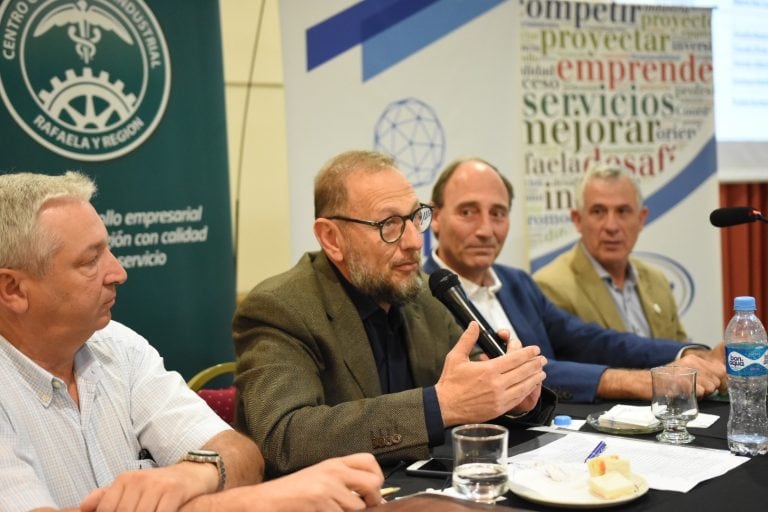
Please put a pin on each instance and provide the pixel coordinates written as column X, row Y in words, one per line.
column 674, row 402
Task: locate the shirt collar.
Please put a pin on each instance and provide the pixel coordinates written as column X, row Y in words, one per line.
column 42, row 382
column 470, row 287
column 631, row 277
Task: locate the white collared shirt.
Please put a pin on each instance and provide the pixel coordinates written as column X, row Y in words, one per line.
column 53, row 454
column 485, row 300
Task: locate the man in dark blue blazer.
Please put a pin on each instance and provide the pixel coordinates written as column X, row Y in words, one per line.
column 471, row 201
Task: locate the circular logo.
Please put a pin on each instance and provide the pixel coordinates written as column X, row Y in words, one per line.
column 681, row 281
column 87, row 79
column 410, row 131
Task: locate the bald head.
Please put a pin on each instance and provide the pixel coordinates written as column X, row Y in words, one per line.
column 471, row 218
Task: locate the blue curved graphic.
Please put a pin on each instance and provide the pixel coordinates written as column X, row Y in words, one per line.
column 660, row 202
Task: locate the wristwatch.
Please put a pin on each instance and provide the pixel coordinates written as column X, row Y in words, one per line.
column 208, row 457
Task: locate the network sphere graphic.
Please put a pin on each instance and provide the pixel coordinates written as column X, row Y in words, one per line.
column 411, row 133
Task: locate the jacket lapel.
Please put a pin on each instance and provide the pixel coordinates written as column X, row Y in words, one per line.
column 507, row 297
column 651, row 309
column 595, row 290
column 423, row 357
column 349, row 330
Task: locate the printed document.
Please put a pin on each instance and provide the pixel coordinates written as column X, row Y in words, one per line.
column 665, row 467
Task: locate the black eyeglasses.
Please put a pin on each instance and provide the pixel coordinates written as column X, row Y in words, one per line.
column 392, row 228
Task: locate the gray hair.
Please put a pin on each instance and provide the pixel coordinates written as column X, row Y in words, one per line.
column 23, row 245
column 605, row 172
column 330, row 183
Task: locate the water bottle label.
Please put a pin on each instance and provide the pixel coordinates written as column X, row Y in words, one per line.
column 744, row 361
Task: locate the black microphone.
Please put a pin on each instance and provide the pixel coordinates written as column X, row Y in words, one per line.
column 734, row 215
column 446, row 288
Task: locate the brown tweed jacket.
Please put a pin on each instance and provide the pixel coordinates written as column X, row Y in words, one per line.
column 572, row 284
column 307, row 382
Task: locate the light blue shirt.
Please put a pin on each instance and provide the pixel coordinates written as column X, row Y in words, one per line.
column 627, row 299
column 53, row 454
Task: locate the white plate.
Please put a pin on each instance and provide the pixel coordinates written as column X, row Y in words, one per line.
column 593, row 420
column 571, row 493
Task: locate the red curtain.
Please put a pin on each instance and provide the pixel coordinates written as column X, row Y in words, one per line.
column 745, row 249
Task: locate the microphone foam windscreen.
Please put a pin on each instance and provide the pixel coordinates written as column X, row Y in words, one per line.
column 731, row 216
column 441, row 280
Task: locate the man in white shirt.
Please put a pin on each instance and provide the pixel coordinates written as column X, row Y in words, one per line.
column 87, row 407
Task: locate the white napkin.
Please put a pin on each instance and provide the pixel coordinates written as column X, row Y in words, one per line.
column 621, row 415
column 627, row 416
column 703, row 420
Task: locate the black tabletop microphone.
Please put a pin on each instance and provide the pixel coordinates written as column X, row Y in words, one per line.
column 447, row 289
column 734, row 215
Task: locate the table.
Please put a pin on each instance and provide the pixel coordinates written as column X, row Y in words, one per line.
column 422, row 502
column 742, row 489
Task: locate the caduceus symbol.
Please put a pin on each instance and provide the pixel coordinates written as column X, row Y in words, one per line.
column 83, row 22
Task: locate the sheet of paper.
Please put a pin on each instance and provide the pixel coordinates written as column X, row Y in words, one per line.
column 703, row 420
column 665, row 467
column 573, row 425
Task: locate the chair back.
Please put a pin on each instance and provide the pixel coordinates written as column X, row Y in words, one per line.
column 221, row 400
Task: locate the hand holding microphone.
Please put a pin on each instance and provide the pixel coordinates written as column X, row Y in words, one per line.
column 512, row 383
column 445, row 286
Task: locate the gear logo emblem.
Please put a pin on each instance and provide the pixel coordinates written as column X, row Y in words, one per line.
column 87, row 79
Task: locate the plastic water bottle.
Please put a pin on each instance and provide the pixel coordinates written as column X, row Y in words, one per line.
column 746, row 347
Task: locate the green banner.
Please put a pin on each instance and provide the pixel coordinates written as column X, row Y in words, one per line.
column 131, row 92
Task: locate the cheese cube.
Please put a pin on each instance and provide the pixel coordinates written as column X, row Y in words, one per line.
column 611, row 485
column 607, row 463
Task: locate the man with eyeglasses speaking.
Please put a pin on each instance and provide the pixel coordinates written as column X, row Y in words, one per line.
column 348, row 351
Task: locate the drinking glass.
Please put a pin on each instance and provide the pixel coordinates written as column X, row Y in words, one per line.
column 674, row 402
column 480, row 461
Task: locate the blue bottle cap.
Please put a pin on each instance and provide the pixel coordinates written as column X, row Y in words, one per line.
column 744, row 304
column 562, row 420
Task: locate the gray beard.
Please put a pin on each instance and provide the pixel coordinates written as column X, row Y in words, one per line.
column 379, row 289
